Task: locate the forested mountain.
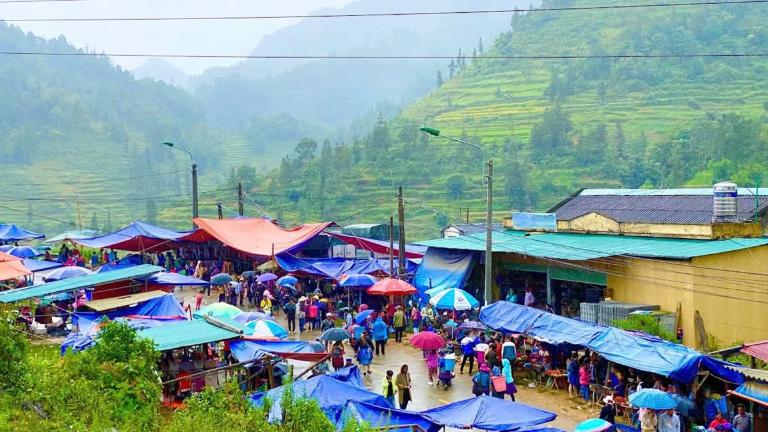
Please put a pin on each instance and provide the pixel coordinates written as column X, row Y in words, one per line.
column 331, row 93
column 66, row 121
column 553, row 126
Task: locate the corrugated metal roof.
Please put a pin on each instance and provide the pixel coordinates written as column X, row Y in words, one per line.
column 78, row 282
column 188, row 333
column 670, row 206
column 477, row 228
column 755, row 374
column 757, row 350
column 573, row 246
column 127, row 300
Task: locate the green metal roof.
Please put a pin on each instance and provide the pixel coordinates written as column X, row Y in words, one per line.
column 78, row 282
column 188, row 333
column 577, row 247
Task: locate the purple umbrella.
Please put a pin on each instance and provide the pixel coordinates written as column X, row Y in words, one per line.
column 471, row 325
column 66, row 273
column 266, row 277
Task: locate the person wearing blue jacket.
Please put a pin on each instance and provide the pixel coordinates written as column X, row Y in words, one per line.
column 380, row 335
column 468, row 350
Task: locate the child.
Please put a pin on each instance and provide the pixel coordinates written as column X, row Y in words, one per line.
column 337, row 356
column 432, row 363
column 198, row 300
column 388, row 388
column 365, row 357
column 481, row 382
column 584, row 380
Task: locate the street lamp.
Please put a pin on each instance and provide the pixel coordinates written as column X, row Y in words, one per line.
column 194, row 175
column 488, row 209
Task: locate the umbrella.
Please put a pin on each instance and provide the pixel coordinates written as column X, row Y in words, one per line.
column 593, row 425
column 218, row 310
column 450, row 324
column 265, row 329
column 6, row 248
column 454, row 298
column 652, row 399
column 471, row 325
column 432, row 291
column 362, row 316
column 286, row 280
column 266, row 277
column 334, row 334
column 394, row 287
column 23, row 252
column 221, row 279
column 248, row 273
column 427, row 340
column 246, row 317
column 357, row 280
column 66, row 273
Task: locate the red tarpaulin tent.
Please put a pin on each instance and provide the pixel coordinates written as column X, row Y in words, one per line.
column 392, row 287
column 11, row 267
column 254, row 236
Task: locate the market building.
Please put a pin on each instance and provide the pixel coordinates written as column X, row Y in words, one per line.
column 651, row 249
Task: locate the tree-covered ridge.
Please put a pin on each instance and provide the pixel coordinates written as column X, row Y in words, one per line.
column 553, row 126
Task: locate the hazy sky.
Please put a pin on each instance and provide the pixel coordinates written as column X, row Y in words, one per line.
column 185, row 37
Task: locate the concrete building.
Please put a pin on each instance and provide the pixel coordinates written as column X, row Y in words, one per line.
column 657, row 247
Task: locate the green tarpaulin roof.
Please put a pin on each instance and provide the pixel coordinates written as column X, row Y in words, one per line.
column 188, row 333
column 78, row 282
column 571, row 246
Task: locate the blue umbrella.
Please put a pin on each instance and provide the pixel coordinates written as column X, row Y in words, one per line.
column 66, row 273
column 362, row 316
column 249, row 273
column 246, row 317
column 652, row 399
column 357, row 280
column 23, row 252
column 334, row 334
column 265, row 329
column 593, row 425
column 287, row 280
column 221, row 279
column 454, row 299
column 266, row 277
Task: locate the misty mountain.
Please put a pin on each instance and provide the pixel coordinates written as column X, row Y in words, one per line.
column 161, row 70
column 313, row 91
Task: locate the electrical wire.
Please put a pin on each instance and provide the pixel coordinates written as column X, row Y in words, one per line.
column 390, row 57
column 395, row 14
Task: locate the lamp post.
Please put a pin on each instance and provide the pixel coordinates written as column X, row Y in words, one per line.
column 194, row 176
column 488, row 209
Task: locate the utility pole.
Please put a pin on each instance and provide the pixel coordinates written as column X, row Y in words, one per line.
column 401, row 240
column 489, row 234
column 391, row 246
column 194, row 191
column 240, row 198
column 218, row 210
column 467, row 214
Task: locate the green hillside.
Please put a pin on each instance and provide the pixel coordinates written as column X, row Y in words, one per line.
column 553, row 126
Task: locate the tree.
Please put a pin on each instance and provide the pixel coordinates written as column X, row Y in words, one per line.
column 452, row 68
column 439, row 79
column 480, row 47
column 305, row 150
column 551, row 134
column 455, row 184
column 14, row 347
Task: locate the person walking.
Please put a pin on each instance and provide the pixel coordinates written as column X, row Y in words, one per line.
column 365, row 357
column 290, row 315
column 468, row 352
column 742, row 421
column 403, row 383
column 389, row 388
column 432, row 360
column 509, row 378
column 415, row 319
column 199, row 300
column 266, row 305
column 398, row 322
column 572, row 369
column 337, row 356
column 380, row 335
column 302, row 310
column 669, row 422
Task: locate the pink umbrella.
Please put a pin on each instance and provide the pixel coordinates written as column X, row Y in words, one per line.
column 392, row 287
column 427, row 340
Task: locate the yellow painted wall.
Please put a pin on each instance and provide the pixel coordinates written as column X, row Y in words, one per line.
column 729, row 312
column 597, row 223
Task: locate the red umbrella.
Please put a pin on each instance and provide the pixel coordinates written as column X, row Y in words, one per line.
column 392, row 287
column 427, row 340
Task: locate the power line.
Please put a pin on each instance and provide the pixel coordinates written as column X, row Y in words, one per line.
column 391, row 57
column 38, row 1
column 388, row 14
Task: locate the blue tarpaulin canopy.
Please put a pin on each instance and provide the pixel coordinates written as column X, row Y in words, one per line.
column 136, row 237
column 40, row 265
column 335, row 268
column 489, row 413
column 176, row 279
column 331, row 395
column 13, row 233
column 350, row 374
column 127, row 261
column 388, row 418
column 443, row 268
column 636, row 350
column 753, row 391
column 245, row 350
